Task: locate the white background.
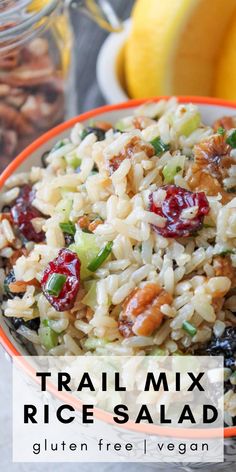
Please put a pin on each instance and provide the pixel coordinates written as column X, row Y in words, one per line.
column 6, row 464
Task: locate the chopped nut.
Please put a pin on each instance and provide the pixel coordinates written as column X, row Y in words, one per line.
column 94, row 224
column 226, row 122
column 223, row 267
column 21, row 286
column 17, row 253
column 134, row 146
column 142, row 122
column 141, row 314
column 14, row 119
column 83, row 222
column 211, row 163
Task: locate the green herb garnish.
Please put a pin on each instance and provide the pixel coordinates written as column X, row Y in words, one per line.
column 206, row 225
column 68, row 228
column 55, row 284
column 100, row 258
column 231, row 140
column 189, row 328
column 159, row 145
column 221, row 131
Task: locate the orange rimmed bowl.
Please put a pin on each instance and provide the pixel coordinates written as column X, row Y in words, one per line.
column 210, row 108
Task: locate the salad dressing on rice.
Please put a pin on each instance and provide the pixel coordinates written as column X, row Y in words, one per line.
column 123, row 242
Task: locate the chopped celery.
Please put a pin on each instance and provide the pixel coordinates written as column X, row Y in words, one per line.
column 72, row 160
column 156, row 351
column 120, row 126
column 47, row 336
column 90, row 299
column 186, row 119
column 64, row 207
column 93, row 343
column 174, row 166
column 86, row 248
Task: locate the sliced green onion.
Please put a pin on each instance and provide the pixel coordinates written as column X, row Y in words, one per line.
column 55, row 284
column 68, row 228
column 226, row 252
column 64, row 207
column 100, row 258
column 120, row 126
column 206, row 225
column 189, row 328
column 221, row 131
column 231, row 140
column 47, row 336
column 159, row 145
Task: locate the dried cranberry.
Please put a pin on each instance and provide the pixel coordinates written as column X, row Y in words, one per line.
column 23, row 213
column 176, row 200
column 66, row 263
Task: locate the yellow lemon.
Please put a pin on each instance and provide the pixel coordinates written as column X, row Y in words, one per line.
column 225, row 83
column 174, row 45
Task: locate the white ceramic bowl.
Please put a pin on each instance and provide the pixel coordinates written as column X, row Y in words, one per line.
column 107, row 76
column 211, row 109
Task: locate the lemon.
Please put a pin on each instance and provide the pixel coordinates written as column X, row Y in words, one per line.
column 174, row 45
column 225, row 83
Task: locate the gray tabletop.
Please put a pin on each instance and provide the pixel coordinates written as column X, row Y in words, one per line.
column 89, row 38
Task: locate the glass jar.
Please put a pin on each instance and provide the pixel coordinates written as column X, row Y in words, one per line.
column 37, row 80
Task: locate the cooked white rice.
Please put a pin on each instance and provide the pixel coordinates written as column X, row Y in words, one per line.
column 191, row 270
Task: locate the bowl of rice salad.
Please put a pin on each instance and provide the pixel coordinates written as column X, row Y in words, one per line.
column 118, row 236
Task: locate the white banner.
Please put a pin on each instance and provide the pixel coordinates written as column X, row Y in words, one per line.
column 109, row 409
